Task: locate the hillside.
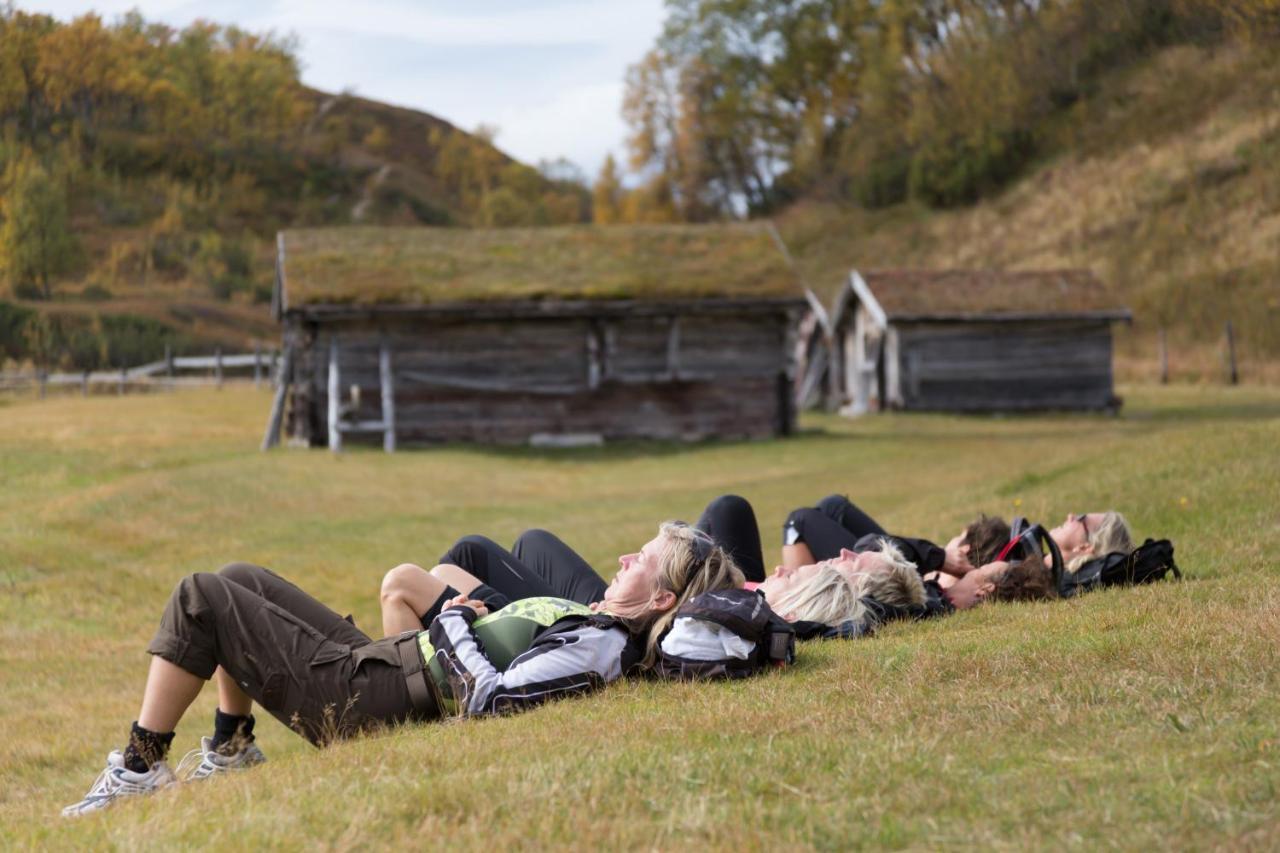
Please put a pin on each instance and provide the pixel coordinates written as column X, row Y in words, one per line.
column 1166, row 183
column 145, row 172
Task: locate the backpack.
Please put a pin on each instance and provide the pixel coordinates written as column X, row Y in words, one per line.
column 1147, row 563
column 1032, row 540
column 741, row 619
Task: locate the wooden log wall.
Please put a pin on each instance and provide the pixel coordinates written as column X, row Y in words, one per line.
column 975, row 366
column 502, row 381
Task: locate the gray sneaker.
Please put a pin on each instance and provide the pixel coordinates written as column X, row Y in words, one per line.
column 117, row 782
column 206, row 761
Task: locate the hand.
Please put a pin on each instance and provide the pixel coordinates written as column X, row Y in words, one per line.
column 957, row 561
column 464, row 601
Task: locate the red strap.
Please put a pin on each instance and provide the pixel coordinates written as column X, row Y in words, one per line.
column 1004, row 552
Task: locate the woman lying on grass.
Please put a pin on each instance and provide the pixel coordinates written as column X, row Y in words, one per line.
column 539, row 564
column 267, row 641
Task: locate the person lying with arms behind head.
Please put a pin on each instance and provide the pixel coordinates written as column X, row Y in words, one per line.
column 267, row 641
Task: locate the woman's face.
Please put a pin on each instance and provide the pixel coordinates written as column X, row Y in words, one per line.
column 1072, row 535
column 848, row 564
column 783, row 579
column 634, row 590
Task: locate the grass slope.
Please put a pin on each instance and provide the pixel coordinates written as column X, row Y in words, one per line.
column 1166, row 184
column 1131, row 718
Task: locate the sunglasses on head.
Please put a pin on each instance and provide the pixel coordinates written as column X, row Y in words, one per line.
column 702, row 543
column 1083, row 518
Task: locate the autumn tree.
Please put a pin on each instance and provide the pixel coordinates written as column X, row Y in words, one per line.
column 35, row 240
column 607, row 194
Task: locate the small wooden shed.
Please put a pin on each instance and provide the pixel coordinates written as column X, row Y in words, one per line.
column 973, row 341
column 579, row 333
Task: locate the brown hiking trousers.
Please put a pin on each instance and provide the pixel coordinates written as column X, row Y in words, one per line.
column 313, row 670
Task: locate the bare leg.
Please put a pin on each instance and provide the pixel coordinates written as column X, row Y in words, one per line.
column 170, row 691
column 408, row 591
column 797, row 555
column 456, row 577
column 231, row 699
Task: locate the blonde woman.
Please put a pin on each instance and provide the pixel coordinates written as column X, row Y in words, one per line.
column 834, row 591
column 1087, row 536
column 269, row 642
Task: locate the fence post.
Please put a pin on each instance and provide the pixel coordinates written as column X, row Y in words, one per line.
column 84, row 384
column 42, row 377
column 168, row 364
column 257, row 364
column 1164, row 358
column 124, row 376
column 1231, row 354
column 217, row 366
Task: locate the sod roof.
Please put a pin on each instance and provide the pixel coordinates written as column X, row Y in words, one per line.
column 977, row 294
column 431, row 266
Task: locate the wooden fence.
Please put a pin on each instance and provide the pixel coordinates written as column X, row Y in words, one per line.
column 167, row 373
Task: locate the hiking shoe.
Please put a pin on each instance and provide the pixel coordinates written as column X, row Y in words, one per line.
column 117, row 782
column 206, row 761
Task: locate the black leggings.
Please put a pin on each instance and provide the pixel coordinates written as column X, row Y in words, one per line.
column 540, row 564
column 833, row 524
column 537, row 565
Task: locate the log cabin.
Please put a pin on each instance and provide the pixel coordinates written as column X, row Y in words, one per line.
column 550, row 335
column 969, row 341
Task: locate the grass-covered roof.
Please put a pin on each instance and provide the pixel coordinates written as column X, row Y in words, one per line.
column 430, row 266
column 991, row 293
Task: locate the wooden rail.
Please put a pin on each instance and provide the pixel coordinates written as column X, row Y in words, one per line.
column 161, row 374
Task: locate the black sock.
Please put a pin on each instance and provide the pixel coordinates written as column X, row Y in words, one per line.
column 434, row 610
column 232, row 731
column 145, row 748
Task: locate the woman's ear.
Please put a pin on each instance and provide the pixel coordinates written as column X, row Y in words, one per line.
column 664, row 600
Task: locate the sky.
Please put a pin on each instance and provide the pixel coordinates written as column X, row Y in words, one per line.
column 547, row 73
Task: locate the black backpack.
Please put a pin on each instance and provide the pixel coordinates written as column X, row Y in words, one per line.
column 746, row 614
column 1147, row 563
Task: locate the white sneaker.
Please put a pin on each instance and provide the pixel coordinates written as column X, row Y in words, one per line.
column 206, row 761
column 117, row 781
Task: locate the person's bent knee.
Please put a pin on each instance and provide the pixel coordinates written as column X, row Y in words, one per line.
column 729, row 506
column 456, row 555
column 533, row 537
column 241, row 573
column 397, row 581
column 833, row 506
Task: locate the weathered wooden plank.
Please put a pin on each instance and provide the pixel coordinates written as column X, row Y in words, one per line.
column 272, row 436
column 334, row 381
column 388, row 398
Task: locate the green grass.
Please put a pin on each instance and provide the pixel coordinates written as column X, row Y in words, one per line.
column 417, row 266
column 1132, row 718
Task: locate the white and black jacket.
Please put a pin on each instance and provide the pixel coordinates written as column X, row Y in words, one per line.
column 575, row 655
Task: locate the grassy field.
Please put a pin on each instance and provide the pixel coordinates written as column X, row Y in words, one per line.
column 1133, row 718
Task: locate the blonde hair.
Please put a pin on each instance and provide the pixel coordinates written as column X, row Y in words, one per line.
column 684, row 573
column 826, row 596
column 1110, row 537
column 900, row 586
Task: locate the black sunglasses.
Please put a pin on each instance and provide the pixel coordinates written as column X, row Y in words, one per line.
column 1083, row 518
column 703, row 544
